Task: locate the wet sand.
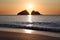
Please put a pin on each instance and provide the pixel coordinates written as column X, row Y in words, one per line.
column 24, row 36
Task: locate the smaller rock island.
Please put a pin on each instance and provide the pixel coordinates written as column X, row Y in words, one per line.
column 35, row 13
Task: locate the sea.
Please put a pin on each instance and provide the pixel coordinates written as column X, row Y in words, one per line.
column 37, row 21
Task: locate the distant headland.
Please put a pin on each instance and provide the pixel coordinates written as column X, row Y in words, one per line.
column 25, row 12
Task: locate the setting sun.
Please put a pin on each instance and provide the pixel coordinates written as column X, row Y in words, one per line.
column 29, row 7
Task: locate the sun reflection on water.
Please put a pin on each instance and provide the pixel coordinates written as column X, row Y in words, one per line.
column 29, row 18
column 29, row 25
column 28, row 31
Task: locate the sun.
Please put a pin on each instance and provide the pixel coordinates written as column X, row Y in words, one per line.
column 29, row 7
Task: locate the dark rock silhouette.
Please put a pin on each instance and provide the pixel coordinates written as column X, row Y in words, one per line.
column 35, row 13
column 25, row 12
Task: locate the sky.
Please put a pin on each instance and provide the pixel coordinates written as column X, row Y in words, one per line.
column 45, row 7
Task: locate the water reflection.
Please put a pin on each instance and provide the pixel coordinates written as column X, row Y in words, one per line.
column 29, row 25
column 28, row 31
column 29, row 18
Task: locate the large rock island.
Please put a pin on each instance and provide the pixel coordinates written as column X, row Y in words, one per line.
column 25, row 12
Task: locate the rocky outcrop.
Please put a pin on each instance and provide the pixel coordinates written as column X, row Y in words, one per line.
column 35, row 13
column 25, row 12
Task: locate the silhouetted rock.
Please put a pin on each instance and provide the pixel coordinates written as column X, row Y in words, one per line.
column 25, row 12
column 35, row 13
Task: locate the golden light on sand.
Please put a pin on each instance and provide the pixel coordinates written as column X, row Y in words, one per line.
column 29, row 8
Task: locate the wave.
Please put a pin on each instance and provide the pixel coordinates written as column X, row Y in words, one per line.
column 40, row 26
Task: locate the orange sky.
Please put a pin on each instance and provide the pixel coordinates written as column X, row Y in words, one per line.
column 46, row 7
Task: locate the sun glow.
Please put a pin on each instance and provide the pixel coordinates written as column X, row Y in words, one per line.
column 29, row 8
